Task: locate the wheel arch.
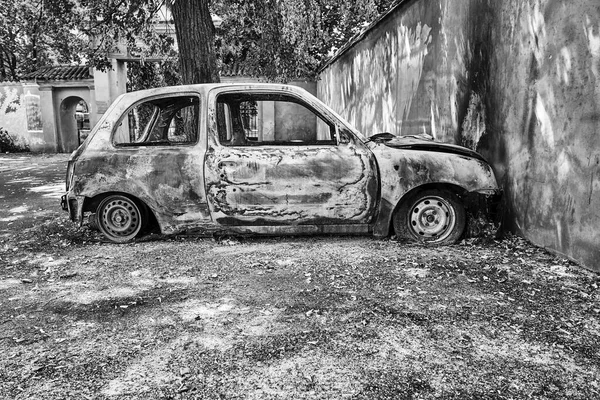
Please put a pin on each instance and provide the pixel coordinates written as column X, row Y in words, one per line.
column 90, row 204
column 452, row 193
column 449, row 187
column 384, row 226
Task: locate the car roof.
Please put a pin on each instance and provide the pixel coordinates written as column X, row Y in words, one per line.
column 206, row 87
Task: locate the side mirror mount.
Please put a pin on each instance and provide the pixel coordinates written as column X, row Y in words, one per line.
column 381, row 137
column 343, row 137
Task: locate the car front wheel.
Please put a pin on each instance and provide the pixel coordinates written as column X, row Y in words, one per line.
column 432, row 217
column 119, row 218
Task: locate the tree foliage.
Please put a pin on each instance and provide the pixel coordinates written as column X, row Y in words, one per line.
column 277, row 39
column 35, row 33
column 145, row 75
column 38, row 33
column 287, row 39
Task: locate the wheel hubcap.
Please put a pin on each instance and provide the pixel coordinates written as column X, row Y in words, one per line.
column 432, row 219
column 120, row 217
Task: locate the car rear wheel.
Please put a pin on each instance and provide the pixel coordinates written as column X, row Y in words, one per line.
column 119, row 218
column 431, row 216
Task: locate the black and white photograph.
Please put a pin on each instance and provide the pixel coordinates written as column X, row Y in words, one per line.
column 299, row 199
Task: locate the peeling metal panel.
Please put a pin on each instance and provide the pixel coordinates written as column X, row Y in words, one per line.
column 291, row 185
column 341, row 185
column 157, row 175
column 402, row 170
column 297, row 185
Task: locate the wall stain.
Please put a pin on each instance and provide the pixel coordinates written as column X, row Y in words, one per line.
column 518, row 80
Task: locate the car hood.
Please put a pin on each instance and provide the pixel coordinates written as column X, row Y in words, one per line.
column 416, row 143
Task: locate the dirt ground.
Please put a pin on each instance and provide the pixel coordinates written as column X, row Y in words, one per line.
column 280, row 318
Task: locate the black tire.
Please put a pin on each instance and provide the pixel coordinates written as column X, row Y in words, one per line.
column 432, row 216
column 119, row 218
column 93, row 222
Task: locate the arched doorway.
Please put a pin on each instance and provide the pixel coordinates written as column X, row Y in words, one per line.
column 74, row 122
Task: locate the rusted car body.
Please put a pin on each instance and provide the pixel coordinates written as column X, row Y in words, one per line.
column 264, row 158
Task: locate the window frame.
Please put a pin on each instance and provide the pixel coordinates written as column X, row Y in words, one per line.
column 154, row 118
column 290, row 97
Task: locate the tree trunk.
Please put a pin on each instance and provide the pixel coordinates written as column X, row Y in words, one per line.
column 195, row 38
column 2, row 66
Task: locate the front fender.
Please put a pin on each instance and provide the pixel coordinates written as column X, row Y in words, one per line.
column 403, row 170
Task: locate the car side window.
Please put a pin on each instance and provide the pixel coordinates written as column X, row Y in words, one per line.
column 255, row 119
column 163, row 121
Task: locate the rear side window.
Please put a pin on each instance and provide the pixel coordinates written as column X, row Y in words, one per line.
column 157, row 122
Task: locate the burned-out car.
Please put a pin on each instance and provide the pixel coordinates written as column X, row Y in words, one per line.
column 267, row 159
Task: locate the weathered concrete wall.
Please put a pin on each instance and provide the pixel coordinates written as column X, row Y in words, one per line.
column 542, row 97
column 517, row 80
column 37, row 117
column 20, row 114
column 407, row 75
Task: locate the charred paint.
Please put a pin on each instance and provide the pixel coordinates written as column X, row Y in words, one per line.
column 403, row 170
column 156, row 177
column 343, row 185
column 296, row 184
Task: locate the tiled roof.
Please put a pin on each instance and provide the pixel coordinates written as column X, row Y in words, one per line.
column 71, row 72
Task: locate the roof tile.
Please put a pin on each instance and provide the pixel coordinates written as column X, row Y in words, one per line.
column 68, row 72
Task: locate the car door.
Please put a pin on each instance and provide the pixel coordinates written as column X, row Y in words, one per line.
column 275, row 159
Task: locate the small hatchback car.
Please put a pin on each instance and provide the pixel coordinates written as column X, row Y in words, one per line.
column 264, row 158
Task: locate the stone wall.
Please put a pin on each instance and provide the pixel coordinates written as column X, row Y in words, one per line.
column 517, row 80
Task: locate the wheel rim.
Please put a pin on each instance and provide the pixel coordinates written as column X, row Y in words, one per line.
column 432, row 219
column 119, row 218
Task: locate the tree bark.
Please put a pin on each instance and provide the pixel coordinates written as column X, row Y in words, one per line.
column 195, row 34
